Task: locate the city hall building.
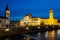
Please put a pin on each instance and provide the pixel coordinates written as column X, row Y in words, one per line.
column 29, row 20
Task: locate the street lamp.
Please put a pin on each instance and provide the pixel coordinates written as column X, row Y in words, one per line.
column 38, row 27
column 7, row 29
column 27, row 28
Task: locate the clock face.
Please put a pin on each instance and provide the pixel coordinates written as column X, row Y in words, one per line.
column 7, row 13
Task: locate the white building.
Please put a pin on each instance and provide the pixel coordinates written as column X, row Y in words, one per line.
column 5, row 20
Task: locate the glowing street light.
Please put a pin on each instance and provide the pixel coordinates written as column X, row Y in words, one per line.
column 27, row 28
column 38, row 27
column 7, row 29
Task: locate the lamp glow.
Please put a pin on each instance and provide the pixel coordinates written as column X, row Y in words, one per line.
column 38, row 27
column 27, row 28
column 7, row 29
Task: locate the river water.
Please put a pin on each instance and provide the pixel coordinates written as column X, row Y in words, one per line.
column 48, row 35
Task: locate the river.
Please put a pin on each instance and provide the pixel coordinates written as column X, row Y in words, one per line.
column 48, row 35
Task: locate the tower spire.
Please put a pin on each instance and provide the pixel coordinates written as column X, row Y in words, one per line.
column 51, row 13
column 7, row 12
column 7, row 7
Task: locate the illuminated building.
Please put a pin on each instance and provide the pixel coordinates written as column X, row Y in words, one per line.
column 29, row 20
column 51, row 20
column 5, row 20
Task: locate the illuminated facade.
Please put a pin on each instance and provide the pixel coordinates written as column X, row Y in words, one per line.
column 28, row 20
column 50, row 20
column 5, row 20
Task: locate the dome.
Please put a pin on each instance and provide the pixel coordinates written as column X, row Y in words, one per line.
column 28, row 15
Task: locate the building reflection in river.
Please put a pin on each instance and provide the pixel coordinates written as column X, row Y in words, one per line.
column 49, row 35
column 52, row 35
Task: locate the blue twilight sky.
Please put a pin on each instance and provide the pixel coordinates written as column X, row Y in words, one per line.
column 38, row 8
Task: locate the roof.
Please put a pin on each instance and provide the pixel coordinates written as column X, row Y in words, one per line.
column 3, row 17
column 7, row 7
column 28, row 15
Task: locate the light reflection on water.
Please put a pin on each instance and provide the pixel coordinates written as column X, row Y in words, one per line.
column 48, row 35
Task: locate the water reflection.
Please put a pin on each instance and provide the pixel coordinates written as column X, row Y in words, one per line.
column 58, row 35
column 51, row 35
column 27, row 38
column 41, row 36
column 6, row 39
column 48, row 35
column 13, row 37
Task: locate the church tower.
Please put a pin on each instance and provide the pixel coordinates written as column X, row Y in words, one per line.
column 51, row 14
column 51, row 21
column 7, row 13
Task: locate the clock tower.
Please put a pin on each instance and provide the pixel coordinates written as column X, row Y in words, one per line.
column 7, row 13
column 51, row 14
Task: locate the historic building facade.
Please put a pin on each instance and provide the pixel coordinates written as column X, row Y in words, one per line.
column 5, row 20
column 28, row 20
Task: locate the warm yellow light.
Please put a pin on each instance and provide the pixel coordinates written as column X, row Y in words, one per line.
column 27, row 28
column 38, row 27
column 37, row 21
column 7, row 29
